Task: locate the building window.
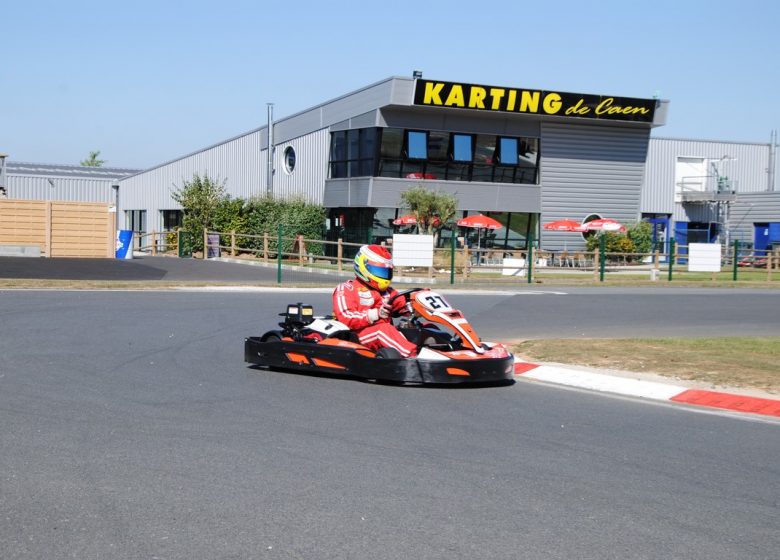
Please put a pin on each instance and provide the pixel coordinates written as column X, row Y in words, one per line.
column 432, row 154
column 171, row 219
column 416, row 145
column 353, row 153
column 289, row 159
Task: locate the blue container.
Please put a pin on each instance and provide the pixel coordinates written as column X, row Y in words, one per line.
column 124, row 244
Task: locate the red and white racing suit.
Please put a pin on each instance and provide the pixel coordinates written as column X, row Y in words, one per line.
column 357, row 306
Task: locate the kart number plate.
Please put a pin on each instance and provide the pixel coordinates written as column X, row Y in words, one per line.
column 433, row 301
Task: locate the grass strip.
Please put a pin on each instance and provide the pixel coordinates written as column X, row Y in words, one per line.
column 749, row 362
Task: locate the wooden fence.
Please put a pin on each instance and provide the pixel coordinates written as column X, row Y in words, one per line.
column 59, row 229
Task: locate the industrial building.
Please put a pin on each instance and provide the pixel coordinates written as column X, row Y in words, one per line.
column 522, row 156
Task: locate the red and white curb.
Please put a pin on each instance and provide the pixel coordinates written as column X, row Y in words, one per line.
column 647, row 389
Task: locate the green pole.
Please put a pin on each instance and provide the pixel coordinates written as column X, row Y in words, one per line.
column 279, row 256
column 530, row 256
column 736, row 258
column 671, row 258
column 452, row 257
column 602, row 256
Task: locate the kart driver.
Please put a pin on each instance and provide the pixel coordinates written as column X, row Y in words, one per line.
column 363, row 304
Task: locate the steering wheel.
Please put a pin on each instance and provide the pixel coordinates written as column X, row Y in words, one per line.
column 406, row 295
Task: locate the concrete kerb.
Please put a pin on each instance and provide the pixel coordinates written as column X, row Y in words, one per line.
column 636, row 387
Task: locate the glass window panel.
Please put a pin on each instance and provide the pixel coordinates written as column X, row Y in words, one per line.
column 417, row 145
column 482, row 172
column 392, row 142
column 354, row 168
column 353, row 148
column 389, row 168
column 457, row 171
column 485, row 150
column 338, row 146
column 412, row 170
column 338, row 170
column 508, row 151
column 367, row 142
column 504, row 174
column 436, row 170
column 461, row 147
column 438, row 145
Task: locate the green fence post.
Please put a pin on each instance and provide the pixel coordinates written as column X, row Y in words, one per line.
column 452, row 257
column 602, row 256
column 671, row 258
column 530, row 257
column 736, row 258
column 279, row 256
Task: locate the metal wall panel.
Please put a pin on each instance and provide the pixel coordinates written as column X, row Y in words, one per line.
column 237, row 162
column 750, row 209
column 311, row 167
column 69, row 189
column 589, row 169
column 385, row 192
column 456, row 121
column 749, row 169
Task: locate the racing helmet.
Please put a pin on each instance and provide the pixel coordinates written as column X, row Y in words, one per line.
column 374, row 266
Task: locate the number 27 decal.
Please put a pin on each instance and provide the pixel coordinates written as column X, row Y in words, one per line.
column 435, row 301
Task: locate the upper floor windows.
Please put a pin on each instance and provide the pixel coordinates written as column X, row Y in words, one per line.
column 421, row 154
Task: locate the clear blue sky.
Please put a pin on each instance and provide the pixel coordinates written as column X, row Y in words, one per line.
column 146, row 82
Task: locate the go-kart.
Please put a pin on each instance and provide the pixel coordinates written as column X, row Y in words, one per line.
column 449, row 350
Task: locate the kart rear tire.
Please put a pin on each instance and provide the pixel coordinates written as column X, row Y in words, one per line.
column 272, row 337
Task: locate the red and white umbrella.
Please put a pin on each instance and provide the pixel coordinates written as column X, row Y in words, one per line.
column 564, row 225
column 605, row 224
column 479, row 221
column 405, row 220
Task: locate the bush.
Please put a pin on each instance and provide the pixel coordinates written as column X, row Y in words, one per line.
column 296, row 216
column 200, row 198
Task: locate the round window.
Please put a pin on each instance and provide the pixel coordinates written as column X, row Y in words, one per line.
column 289, row 159
column 587, row 219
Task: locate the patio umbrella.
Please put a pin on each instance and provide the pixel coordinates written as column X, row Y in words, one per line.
column 405, row 220
column 479, row 222
column 605, row 224
column 564, row 225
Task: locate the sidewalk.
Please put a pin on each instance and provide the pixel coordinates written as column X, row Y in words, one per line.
column 636, row 387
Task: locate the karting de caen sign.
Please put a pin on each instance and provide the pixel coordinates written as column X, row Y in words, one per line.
column 530, row 101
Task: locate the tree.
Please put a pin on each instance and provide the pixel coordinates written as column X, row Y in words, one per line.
column 200, row 199
column 92, row 160
column 431, row 209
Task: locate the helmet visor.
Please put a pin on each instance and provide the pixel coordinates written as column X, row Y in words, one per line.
column 383, row 272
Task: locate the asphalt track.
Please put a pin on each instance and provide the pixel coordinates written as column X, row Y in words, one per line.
column 131, row 428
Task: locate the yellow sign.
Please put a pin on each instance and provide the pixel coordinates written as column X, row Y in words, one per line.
column 514, row 100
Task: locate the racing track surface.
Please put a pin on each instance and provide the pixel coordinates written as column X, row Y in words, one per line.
column 130, row 428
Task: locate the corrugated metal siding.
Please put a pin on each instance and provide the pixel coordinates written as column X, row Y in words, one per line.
column 311, row 167
column 749, row 169
column 70, row 189
column 750, row 209
column 590, row 170
column 238, row 162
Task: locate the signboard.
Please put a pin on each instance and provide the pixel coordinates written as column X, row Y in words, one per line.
column 412, row 250
column 531, row 101
column 704, row 257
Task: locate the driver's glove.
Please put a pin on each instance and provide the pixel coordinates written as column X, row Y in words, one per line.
column 385, row 311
